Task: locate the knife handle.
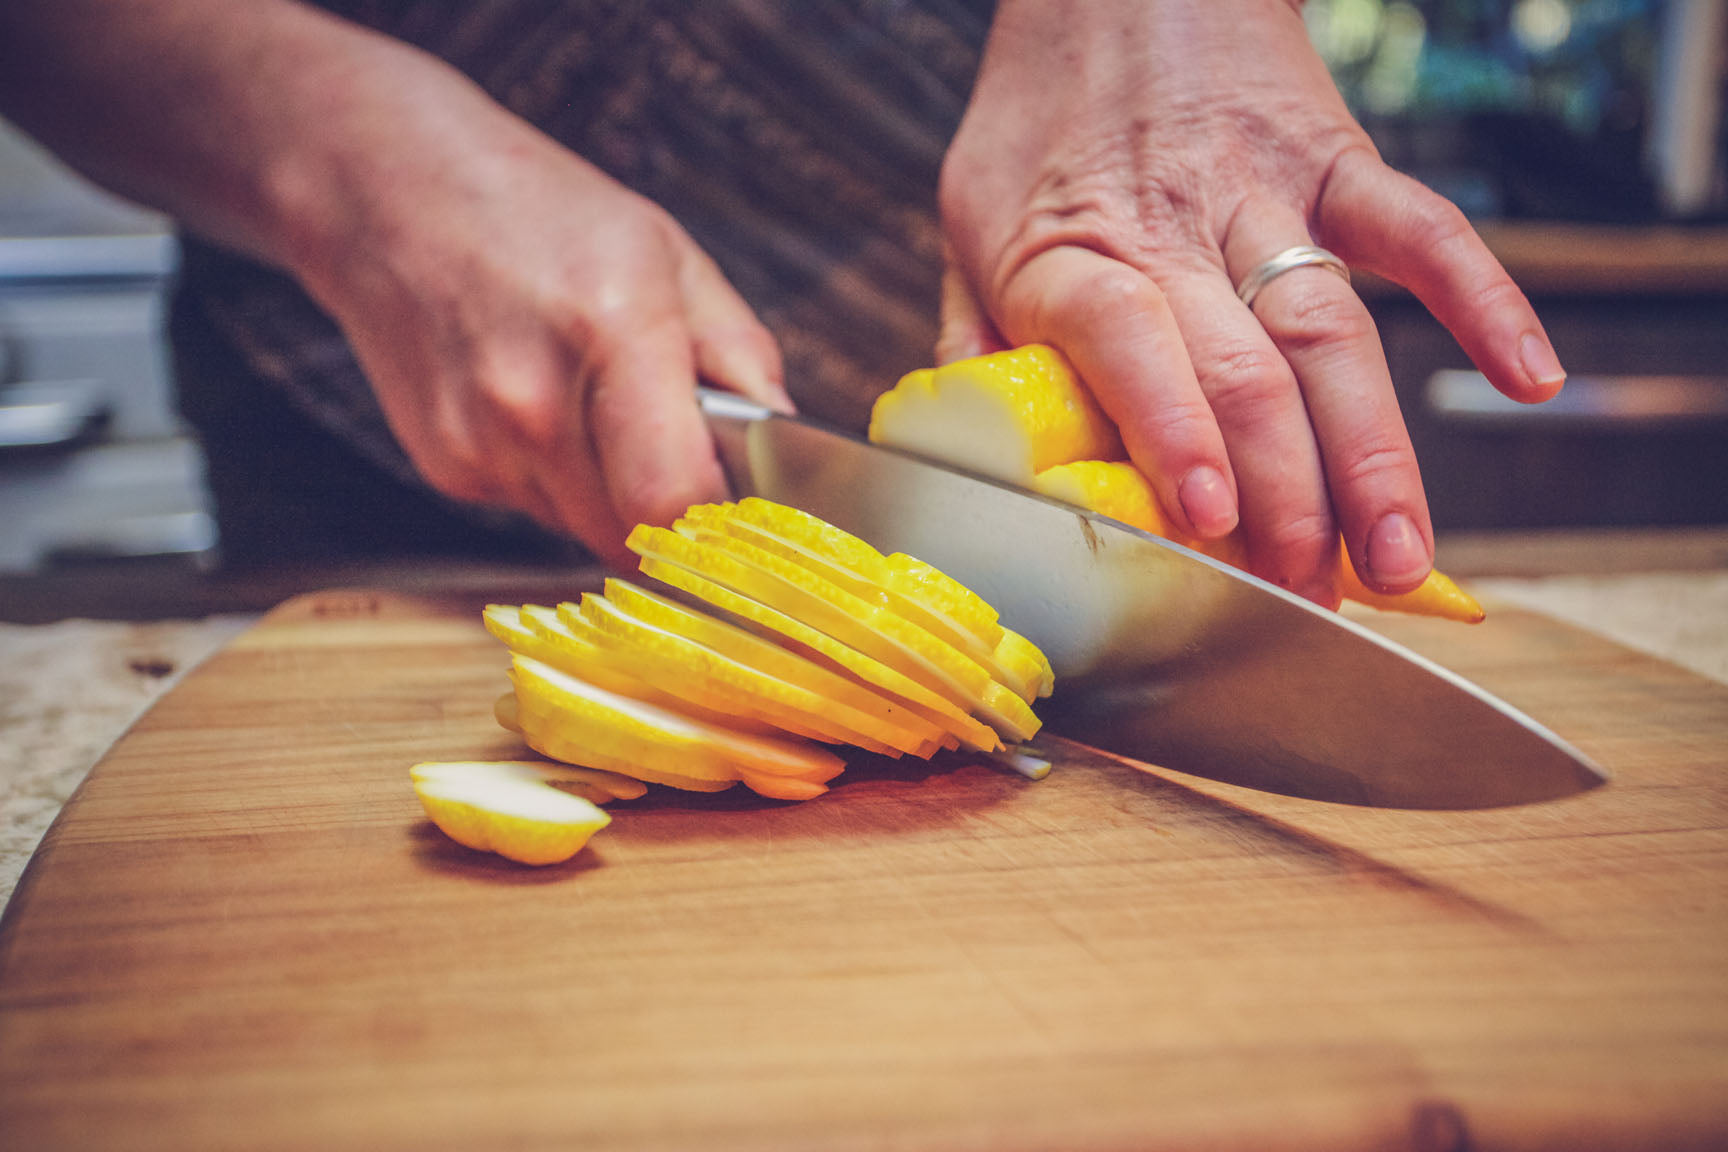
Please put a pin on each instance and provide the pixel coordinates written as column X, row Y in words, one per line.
column 730, row 405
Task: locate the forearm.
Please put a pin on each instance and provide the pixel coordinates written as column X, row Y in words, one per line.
column 238, row 119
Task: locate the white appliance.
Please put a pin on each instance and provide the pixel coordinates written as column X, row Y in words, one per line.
column 94, row 464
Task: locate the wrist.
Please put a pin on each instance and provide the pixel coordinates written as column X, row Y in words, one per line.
column 383, row 132
column 336, row 137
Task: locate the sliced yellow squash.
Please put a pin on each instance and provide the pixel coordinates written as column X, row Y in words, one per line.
column 621, row 734
column 904, row 585
column 817, row 644
column 866, row 627
column 788, row 705
column 774, row 660
column 508, row 808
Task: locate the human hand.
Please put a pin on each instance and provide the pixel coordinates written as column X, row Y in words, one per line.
column 533, row 330
column 1122, row 166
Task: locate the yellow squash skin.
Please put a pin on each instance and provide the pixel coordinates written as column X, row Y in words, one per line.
column 1023, row 416
column 1008, row 415
column 1120, row 491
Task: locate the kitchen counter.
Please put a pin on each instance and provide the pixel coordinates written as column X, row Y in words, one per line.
column 70, row 688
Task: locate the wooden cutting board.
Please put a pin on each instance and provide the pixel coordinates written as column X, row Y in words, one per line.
column 242, row 933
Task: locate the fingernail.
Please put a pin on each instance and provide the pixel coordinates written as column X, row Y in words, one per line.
column 1540, row 363
column 1207, row 502
column 1397, row 554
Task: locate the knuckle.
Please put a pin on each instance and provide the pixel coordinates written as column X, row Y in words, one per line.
column 530, row 416
column 1498, row 296
column 1441, row 231
column 1438, row 225
column 1108, row 299
column 610, row 311
column 1180, row 424
column 1246, row 380
column 530, row 426
column 593, row 305
column 521, row 396
column 1375, row 463
column 575, row 317
column 1319, row 318
column 1305, row 534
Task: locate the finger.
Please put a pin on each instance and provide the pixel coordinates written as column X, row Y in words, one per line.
column 1323, row 330
column 524, row 418
column 580, row 501
column 647, row 431
column 1286, row 514
column 965, row 330
column 1383, row 221
column 568, row 476
column 1117, row 328
column 733, row 349
column 458, row 453
column 444, row 449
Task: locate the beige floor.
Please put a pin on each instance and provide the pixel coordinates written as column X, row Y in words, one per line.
column 69, row 690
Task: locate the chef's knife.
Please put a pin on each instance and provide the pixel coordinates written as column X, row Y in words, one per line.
column 1161, row 654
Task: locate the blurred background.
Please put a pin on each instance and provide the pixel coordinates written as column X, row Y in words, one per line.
column 93, row 461
column 1586, row 138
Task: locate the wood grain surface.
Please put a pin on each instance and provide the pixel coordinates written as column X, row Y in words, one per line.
column 242, row 933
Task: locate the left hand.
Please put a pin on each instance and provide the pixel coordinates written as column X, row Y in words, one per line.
column 1122, row 166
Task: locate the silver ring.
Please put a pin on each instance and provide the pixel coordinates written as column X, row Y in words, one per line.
column 1300, row 256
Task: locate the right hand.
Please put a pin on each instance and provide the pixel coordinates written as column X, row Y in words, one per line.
column 533, row 330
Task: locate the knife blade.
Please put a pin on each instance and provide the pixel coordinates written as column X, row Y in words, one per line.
column 1163, row 655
